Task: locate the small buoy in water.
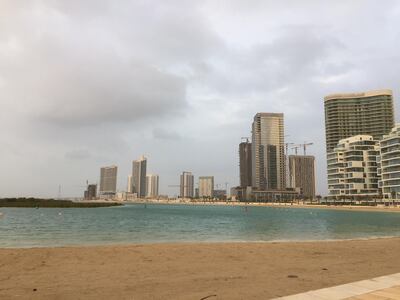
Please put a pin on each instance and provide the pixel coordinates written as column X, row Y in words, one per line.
column 59, row 213
column 1, row 214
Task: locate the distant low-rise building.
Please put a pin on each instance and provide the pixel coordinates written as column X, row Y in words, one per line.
column 220, row 194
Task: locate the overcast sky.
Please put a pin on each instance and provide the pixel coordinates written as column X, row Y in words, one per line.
column 85, row 84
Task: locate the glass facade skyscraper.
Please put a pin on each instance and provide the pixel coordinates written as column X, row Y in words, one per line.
column 268, row 153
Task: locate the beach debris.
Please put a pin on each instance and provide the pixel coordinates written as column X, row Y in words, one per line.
column 209, row 296
column 293, row 276
column 324, row 269
column 34, row 290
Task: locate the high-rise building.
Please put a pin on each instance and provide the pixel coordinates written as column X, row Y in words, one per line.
column 245, row 163
column 206, row 186
column 91, row 192
column 389, row 165
column 139, row 176
column 187, row 185
column 268, row 153
column 352, row 169
column 152, row 183
column 347, row 115
column 130, row 184
column 302, row 174
column 108, row 180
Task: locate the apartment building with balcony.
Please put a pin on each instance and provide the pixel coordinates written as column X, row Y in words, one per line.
column 389, row 165
column 353, row 169
column 350, row 114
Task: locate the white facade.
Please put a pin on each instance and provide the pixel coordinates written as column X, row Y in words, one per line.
column 152, row 184
column 206, row 186
column 389, row 165
column 352, row 169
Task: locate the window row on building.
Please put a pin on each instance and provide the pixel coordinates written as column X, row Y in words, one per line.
column 363, row 168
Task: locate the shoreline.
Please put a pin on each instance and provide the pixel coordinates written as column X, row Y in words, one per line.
column 380, row 208
column 193, row 271
column 194, row 243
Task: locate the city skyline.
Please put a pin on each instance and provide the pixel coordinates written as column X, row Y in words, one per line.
column 174, row 99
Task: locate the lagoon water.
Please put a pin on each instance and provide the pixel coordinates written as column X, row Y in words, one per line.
column 138, row 223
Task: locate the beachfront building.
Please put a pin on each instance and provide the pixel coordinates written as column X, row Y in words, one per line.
column 139, row 177
column 187, row 185
column 366, row 113
column 108, row 181
column 220, row 194
column 206, row 187
column 152, row 184
column 302, row 174
column 267, row 150
column 352, row 169
column 245, row 163
column 389, row 165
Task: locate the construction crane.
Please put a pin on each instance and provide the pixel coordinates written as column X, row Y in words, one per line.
column 296, row 148
column 287, row 148
column 305, row 145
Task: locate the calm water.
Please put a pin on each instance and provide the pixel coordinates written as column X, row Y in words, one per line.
column 25, row 227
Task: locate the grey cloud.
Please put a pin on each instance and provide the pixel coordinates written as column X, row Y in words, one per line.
column 163, row 134
column 121, row 78
column 78, row 154
column 296, row 54
column 71, row 89
column 71, row 66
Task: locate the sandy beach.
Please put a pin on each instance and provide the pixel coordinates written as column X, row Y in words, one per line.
column 192, row 271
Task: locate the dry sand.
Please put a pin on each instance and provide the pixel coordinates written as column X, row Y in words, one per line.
column 192, row 271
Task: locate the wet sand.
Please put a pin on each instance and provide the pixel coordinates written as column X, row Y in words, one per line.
column 192, row 271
